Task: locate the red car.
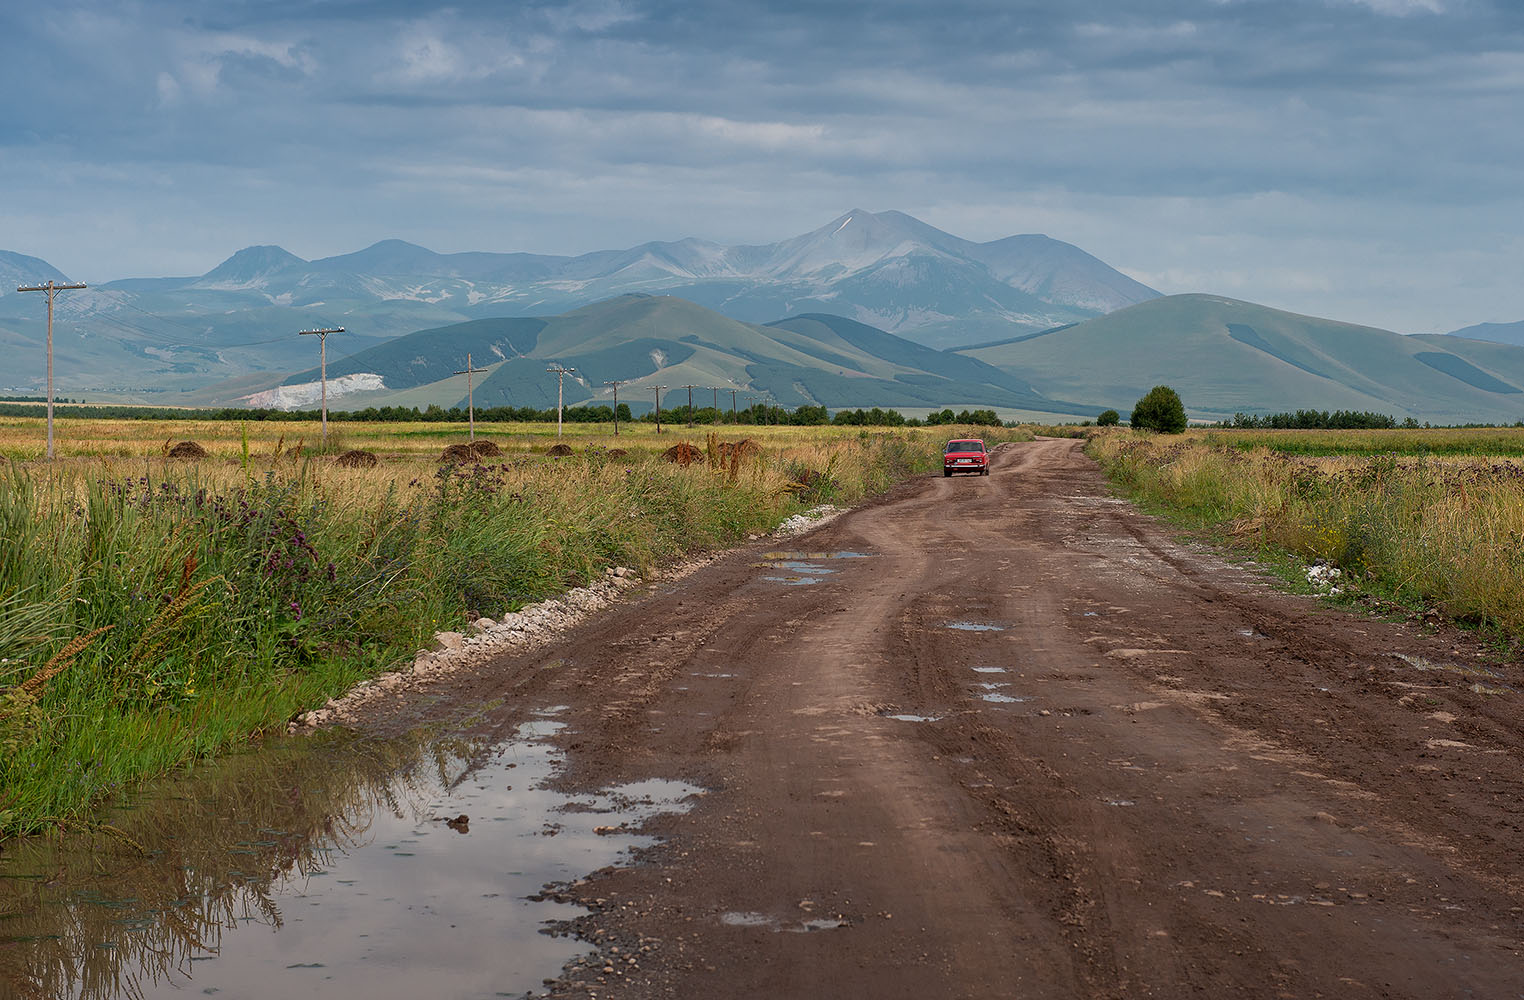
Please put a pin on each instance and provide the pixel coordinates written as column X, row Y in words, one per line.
column 965, row 455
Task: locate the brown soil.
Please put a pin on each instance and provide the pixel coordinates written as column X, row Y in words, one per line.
column 559, row 450
column 683, row 453
column 485, row 449
column 1200, row 786
column 187, row 449
column 357, row 459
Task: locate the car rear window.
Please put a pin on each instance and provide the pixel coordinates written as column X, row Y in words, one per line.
column 964, row 446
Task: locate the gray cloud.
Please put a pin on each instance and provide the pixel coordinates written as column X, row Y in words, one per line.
column 1351, row 157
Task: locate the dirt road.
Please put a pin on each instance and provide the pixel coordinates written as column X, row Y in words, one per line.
column 1011, row 740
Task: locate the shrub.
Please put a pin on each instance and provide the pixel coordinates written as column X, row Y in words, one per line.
column 1108, row 418
column 1160, row 410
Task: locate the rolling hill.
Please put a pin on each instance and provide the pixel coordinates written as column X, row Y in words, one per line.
column 1226, row 356
column 646, row 340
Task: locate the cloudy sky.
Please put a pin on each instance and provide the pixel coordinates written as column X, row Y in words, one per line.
column 1358, row 159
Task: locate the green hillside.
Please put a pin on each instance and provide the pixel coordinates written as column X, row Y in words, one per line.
column 1226, row 356
column 647, row 341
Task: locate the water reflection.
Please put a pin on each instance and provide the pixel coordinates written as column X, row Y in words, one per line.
column 329, row 866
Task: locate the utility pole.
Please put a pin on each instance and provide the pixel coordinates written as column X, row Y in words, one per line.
column 616, row 383
column 733, row 418
column 470, row 400
column 716, row 402
column 658, row 389
column 560, row 374
column 51, row 288
column 690, row 389
column 322, row 336
column 751, row 407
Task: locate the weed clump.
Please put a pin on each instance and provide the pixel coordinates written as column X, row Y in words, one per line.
column 559, row 450
column 456, row 453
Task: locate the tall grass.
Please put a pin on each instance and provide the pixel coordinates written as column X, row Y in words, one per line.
column 1445, row 532
column 153, row 612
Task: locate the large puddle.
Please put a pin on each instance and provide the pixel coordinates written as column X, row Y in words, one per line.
column 323, row 867
column 802, row 568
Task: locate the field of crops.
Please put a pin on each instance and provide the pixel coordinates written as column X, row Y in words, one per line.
column 1431, row 519
column 157, row 609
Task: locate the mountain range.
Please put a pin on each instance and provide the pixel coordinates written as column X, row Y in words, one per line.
column 645, row 341
column 870, row 309
column 153, row 338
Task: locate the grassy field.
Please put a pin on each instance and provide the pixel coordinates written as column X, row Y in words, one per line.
column 155, row 610
column 1431, row 519
column 1467, row 442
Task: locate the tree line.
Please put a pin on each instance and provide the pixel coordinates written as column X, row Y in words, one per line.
column 756, row 414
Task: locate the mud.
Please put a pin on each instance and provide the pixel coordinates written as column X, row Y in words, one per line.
column 1201, row 786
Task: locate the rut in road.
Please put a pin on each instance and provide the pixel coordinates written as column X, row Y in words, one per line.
column 1029, row 746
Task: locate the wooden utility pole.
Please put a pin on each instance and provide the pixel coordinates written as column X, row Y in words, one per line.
column 322, row 336
column 733, row 418
column 560, row 374
column 658, row 389
column 52, row 288
column 470, row 400
column 616, row 383
column 716, row 402
column 690, row 389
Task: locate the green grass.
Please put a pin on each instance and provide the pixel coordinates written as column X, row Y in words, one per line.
column 1417, row 531
column 1503, row 442
column 154, row 612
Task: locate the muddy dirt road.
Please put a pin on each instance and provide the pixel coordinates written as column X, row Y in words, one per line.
column 1003, row 737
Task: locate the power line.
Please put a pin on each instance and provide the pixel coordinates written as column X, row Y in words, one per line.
column 322, row 336
column 560, row 373
column 52, row 289
column 470, row 401
column 616, row 383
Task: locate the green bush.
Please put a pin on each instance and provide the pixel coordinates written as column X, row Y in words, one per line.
column 1160, row 410
column 1108, row 418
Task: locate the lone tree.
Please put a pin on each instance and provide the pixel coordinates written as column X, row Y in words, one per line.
column 1160, row 410
column 1108, row 418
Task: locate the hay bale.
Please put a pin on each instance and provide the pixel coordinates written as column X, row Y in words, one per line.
column 617, row 453
column 458, row 453
column 485, row 449
column 356, row 458
column 559, row 450
column 683, row 453
column 187, row 449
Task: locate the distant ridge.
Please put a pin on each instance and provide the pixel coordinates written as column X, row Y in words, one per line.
column 1225, row 356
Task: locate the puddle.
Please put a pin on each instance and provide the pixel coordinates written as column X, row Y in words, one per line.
column 1119, row 802
column 327, row 866
column 1464, row 669
column 805, row 567
column 905, row 717
column 976, row 627
column 990, row 670
column 712, row 676
column 748, row 918
column 1002, row 699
